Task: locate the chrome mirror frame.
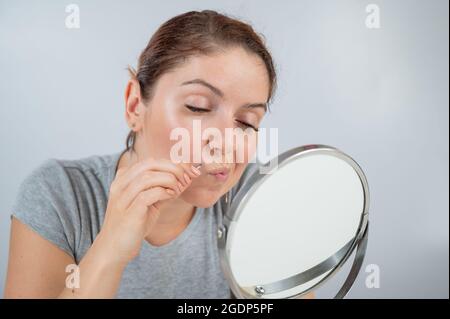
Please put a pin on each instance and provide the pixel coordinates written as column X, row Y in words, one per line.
column 359, row 241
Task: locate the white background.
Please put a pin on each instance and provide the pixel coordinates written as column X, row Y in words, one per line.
column 380, row 95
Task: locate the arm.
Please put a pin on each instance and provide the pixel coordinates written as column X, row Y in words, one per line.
column 37, row 269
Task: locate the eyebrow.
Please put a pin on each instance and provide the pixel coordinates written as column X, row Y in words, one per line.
column 215, row 90
column 255, row 105
column 218, row 92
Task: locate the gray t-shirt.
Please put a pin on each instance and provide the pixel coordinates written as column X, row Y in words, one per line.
column 64, row 201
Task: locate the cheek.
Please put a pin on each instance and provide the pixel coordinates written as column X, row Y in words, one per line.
column 251, row 148
column 158, row 134
column 165, row 118
column 246, row 150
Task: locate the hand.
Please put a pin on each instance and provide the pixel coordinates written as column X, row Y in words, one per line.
column 132, row 208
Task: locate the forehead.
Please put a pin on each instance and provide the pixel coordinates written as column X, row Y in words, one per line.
column 240, row 75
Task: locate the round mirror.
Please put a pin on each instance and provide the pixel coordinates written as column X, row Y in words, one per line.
column 294, row 223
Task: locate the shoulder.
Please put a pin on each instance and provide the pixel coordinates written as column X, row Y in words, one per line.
column 95, row 167
column 58, row 195
column 39, row 200
column 44, row 176
column 54, row 172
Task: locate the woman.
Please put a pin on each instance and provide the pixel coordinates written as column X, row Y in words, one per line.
column 136, row 223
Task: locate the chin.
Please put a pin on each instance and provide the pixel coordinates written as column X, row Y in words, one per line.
column 201, row 198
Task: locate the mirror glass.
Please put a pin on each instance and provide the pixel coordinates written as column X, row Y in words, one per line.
column 292, row 227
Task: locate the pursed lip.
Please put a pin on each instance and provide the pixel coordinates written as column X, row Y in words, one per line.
column 220, row 172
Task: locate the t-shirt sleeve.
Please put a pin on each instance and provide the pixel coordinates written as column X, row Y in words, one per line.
column 40, row 204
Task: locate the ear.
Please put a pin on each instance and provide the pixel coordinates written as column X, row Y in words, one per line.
column 134, row 106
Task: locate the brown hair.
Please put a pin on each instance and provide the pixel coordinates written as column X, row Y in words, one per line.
column 189, row 34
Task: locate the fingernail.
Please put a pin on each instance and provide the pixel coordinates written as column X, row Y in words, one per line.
column 170, row 192
column 187, row 178
column 196, row 170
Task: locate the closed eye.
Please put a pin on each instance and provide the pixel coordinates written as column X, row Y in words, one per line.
column 202, row 110
column 196, row 109
column 247, row 125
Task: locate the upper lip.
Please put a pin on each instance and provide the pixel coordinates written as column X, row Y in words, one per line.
column 218, row 170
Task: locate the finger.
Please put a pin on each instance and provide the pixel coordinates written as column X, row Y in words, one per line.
column 146, row 181
column 145, row 199
column 189, row 169
column 150, row 164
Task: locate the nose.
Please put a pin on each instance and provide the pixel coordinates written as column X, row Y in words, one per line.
column 221, row 147
column 220, row 150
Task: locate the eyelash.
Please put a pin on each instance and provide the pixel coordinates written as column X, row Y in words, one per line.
column 196, row 109
column 202, row 110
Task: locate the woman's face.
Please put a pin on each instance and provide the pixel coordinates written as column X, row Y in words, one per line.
column 228, row 89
